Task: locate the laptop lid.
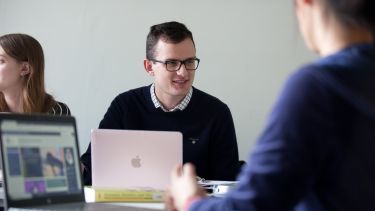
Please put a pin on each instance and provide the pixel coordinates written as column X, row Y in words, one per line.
column 134, row 158
column 40, row 159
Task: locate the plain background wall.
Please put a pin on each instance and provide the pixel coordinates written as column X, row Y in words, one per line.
column 94, row 50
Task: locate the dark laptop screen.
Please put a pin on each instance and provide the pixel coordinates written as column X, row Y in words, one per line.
column 40, row 158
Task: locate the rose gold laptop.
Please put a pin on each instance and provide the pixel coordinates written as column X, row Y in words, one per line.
column 134, row 158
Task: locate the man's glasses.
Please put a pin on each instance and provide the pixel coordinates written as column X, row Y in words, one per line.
column 175, row 65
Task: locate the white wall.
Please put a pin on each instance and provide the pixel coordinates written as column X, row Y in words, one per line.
column 95, row 49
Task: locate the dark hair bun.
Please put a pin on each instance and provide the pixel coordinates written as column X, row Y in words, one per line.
column 357, row 12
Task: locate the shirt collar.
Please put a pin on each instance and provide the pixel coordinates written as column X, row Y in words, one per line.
column 181, row 106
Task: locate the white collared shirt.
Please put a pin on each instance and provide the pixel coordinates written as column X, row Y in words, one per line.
column 181, row 106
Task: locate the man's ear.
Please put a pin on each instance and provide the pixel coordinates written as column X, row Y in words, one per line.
column 148, row 67
column 25, row 69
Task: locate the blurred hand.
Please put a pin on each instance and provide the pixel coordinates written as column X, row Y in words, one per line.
column 182, row 188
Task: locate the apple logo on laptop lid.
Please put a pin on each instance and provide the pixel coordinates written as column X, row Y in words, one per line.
column 136, row 162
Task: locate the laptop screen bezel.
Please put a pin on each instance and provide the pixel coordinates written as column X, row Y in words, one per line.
column 39, row 201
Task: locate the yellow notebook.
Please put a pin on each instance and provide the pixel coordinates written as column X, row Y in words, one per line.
column 123, row 195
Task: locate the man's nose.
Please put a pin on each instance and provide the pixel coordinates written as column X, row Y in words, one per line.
column 182, row 71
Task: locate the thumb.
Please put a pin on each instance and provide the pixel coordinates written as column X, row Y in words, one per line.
column 176, row 172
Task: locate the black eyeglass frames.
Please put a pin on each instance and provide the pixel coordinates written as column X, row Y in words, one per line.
column 175, row 65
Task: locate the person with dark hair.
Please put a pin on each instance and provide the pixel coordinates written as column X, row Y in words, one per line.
column 317, row 150
column 171, row 103
column 22, row 87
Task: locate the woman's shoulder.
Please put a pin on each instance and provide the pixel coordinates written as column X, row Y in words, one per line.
column 60, row 109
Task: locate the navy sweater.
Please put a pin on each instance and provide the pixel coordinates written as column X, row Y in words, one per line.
column 317, row 151
column 209, row 139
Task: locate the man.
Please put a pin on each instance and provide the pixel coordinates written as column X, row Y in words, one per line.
column 171, row 103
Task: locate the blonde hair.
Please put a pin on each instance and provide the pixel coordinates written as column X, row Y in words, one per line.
column 25, row 48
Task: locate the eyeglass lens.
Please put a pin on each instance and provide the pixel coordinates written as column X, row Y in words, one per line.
column 190, row 64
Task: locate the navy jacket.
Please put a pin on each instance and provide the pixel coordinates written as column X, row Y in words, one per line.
column 317, row 151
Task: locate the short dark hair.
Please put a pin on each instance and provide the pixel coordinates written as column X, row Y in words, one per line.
column 354, row 12
column 171, row 32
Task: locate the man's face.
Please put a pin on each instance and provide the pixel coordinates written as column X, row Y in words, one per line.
column 172, row 85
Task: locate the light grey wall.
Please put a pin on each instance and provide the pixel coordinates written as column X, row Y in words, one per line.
column 95, row 49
